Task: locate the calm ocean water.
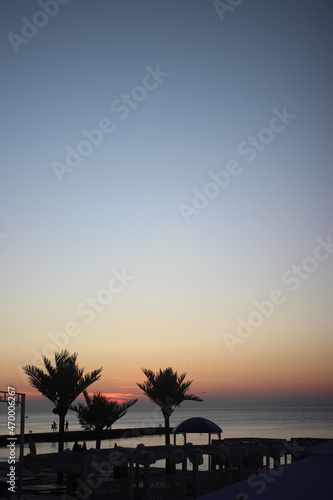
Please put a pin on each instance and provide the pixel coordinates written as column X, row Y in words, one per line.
column 235, row 422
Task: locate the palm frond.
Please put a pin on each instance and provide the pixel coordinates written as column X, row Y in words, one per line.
column 167, row 388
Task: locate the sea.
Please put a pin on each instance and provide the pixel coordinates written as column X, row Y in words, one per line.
column 282, row 423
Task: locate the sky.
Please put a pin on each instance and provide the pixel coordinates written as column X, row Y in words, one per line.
column 166, row 194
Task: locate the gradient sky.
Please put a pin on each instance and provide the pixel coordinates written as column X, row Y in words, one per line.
column 122, row 207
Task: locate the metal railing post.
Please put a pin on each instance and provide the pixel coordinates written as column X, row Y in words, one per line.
column 20, row 478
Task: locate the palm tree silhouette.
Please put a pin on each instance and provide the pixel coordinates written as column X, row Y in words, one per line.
column 61, row 384
column 100, row 413
column 167, row 389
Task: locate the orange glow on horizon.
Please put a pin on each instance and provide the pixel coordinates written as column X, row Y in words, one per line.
column 117, row 396
column 217, row 376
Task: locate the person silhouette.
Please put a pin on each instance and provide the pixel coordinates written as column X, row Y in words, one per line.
column 66, row 425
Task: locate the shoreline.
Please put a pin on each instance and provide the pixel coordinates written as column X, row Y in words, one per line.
column 82, row 435
column 126, row 433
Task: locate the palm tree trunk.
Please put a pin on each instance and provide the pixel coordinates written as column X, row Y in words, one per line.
column 60, row 476
column 167, row 429
column 167, row 441
column 61, row 433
